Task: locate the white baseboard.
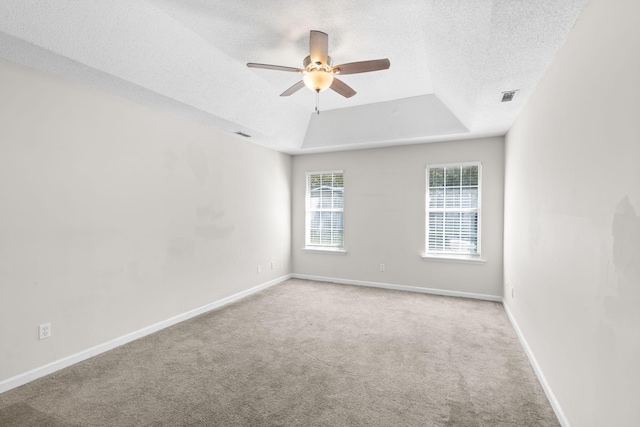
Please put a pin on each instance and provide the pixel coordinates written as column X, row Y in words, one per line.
column 59, row 364
column 536, row 368
column 400, row 287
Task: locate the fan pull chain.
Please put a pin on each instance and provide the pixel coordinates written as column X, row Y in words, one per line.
column 317, row 102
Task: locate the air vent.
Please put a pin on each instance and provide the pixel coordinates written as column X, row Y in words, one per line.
column 508, row 95
column 242, row 134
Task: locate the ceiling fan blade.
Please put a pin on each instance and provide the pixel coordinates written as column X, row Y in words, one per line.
column 342, row 88
column 318, row 46
column 362, row 66
column 296, row 87
column 274, row 67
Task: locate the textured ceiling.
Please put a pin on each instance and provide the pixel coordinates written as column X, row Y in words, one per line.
column 450, row 62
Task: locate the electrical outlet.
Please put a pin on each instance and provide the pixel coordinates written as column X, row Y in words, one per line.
column 44, row 331
column 259, row 270
column 273, row 265
column 511, row 292
column 382, row 267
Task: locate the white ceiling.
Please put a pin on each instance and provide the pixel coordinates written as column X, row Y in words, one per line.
column 450, row 62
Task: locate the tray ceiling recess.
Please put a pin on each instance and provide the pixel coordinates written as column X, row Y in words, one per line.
column 452, row 62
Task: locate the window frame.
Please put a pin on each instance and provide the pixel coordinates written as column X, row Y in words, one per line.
column 311, row 247
column 452, row 255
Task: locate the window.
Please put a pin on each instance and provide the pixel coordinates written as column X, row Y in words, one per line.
column 453, row 210
column 325, row 210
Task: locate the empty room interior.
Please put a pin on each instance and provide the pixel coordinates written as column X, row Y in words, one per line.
column 342, row 213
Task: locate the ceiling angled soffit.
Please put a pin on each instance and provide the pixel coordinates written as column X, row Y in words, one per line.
column 29, row 55
column 138, row 43
column 400, row 121
column 477, row 50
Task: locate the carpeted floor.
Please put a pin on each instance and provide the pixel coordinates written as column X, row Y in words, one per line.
column 304, row 354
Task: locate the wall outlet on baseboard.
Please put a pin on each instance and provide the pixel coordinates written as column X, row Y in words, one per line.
column 382, row 267
column 273, row 265
column 44, row 331
column 508, row 290
column 259, row 269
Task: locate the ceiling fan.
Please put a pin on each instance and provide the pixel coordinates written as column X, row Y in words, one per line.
column 319, row 73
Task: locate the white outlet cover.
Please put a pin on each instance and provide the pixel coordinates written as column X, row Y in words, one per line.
column 44, row 331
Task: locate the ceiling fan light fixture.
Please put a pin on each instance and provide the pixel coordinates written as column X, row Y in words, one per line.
column 318, row 70
column 317, row 80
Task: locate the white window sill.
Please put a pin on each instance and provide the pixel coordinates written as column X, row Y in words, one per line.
column 325, row 250
column 454, row 258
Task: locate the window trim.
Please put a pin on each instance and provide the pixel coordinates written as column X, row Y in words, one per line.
column 453, row 256
column 462, row 258
column 320, row 248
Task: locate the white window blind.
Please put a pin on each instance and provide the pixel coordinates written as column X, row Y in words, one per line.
column 453, row 209
column 325, row 209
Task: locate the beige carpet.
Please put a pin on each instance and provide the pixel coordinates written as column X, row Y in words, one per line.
column 304, row 354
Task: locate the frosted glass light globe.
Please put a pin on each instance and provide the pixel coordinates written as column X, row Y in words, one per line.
column 317, row 80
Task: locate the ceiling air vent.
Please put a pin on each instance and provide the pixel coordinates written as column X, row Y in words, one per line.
column 242, row 134
column 508, row 95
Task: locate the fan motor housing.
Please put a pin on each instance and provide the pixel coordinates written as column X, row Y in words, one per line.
column 312, row 66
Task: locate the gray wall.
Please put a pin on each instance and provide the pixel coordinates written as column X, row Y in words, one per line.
column 572, row 225
column 114, row 217
column 385, row 216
